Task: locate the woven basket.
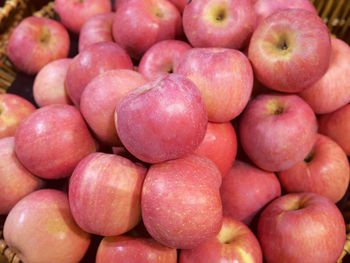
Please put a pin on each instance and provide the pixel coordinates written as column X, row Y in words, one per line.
column 335, row 13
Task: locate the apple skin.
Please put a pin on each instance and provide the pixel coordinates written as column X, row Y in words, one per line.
column 96, row 59
column 97, row 28
column 15, row 181
column 41, row 229
column 295, row 224
column 180, row 4
column 290, row 50
column 181, row 205
column 13, row 109
column 246, row 190
column 35, row 42
column 162, row 58
column 224, row 23
column 48, row 87
column 162, row 120
column 277, row 131
column 226, row 84
column 52, row 140
column 219, row 145
column 332, row 91
column 152, row 21
column 118, row 3
column 74, row 13
column 234, row 243
column 117, row 208
column 134, row 250
column 99, row 100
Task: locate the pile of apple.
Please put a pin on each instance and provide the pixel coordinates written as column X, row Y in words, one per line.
column 208, row 131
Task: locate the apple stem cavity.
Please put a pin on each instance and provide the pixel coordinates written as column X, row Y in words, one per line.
column 44, row 36
column 309, row 157
column 275, row 108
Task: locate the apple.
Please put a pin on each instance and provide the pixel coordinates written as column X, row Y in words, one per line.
column 105, row 194
column 13, row 109
column 219, row 23
column 48, row 87
column 246, row 190
column 52, row 140
column 290, row 50
column 152, row 21
column 96, row 59
column 225, row 85
column 35, row 42
column 301, row 227
column 15, row 181
column 118, row 3
column 277, row 131
column 97, row 28
column 332, row 91
column 134, row 250
column 219, row 145
column 234, row 243
column 162, row 120
column 40, row 228
column 180, row 4
column 162, row 58
column 181, row 205
column 74, row 13
column 100, row 98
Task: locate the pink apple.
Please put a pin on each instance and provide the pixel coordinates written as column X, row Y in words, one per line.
column 246, row 190
column 224, row 77
column 219, row 145
column 181, row 205
column 48, row 87
column 15, row 181
column 111, row 205
column 96, row 59
column 234, row 243
column 118, row 3
column 40, row 228
column 224, row 23
column 162, row 58
column 52, row 140
column 97, row 28
column 152, row 21
column 324, row 171
column 277, row 131
column 74, row 13
column 295, row 224
column 162, row 120
column 35, row 42
column 290, row 50
column 134, row 250
column 13, row 109
column 332, row 91
column 180, row 4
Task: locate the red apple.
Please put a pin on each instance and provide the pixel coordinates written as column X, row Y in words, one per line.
column 97, row 28
column 48, row 87
column 246, row 190
column 219, row 23
column 302, row 227
column 181, row 205
column 118, row 3
column 290, row 50
column 74, row 13
column 162, row 58
column 234, row 243
column 96, row 59
column 52, row 140
column 15, row 181
column 35, row 42
column 277, row 131
column 332, row 91
column 224, row 77
column 40, row 228
column 134, row 250
column 219, row 145
column 162, row 120
column 13, row 109
column 152, row 21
